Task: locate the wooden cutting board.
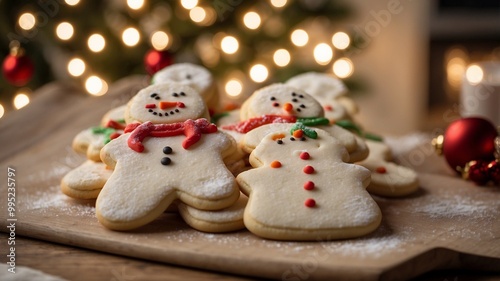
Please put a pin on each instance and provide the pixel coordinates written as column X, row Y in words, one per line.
column 449, row 223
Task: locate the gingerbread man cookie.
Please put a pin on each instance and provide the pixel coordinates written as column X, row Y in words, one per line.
column 165, row 103
column 155, row 164
column 195, row 76
column 302, row 189
column 329, row 91
column 225, row 220
column 388, row 178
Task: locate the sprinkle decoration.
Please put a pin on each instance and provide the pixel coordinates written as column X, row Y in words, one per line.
column 309, row 185
column 308, row 169
column 192, row 129
column 276, row 164
column 304, row 155
column 381, row 170
column 310, row 203
column 298, row 133
column 306, row 131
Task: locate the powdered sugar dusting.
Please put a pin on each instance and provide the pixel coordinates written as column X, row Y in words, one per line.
column 454, row 206
column 53, row 201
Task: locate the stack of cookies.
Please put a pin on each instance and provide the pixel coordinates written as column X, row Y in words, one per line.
column 279, row 166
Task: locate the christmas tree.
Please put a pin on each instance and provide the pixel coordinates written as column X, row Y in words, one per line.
column 245, row 44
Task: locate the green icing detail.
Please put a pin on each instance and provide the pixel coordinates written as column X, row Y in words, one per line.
column 313, row 121
column 121, row 121
column 307, row 131
column 351, row 126
column 103, row 131
column 373, row 137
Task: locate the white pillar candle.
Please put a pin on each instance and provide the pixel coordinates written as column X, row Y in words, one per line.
column 480, row 95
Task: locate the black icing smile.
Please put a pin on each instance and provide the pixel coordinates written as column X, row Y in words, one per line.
column 154, row 110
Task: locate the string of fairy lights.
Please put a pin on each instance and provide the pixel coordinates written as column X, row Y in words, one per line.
column 209, row 49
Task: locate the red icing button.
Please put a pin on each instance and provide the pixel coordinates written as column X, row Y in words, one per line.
column 308, row 169
column 381, row 170
column 304, row 155
column 309, row 185
column 310, row 203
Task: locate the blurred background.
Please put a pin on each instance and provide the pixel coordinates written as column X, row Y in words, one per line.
column 403, row 61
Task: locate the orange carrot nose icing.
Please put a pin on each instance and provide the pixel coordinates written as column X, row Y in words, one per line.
column 288, row 107
column 170, row 104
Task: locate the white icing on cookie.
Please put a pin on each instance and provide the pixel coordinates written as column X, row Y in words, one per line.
column 334, row 205
column 194, row 76
column 280, row 99
column 165, row 103
column 144, row 183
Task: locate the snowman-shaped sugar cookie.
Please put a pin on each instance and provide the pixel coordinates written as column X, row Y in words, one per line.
column 301, row 188
column 388, row 178
column 165, row 103
column 280, row 103
column 155, row 164
column 329, row 91
column 195, row 76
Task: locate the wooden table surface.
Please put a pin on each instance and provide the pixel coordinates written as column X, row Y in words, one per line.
column 25, row 140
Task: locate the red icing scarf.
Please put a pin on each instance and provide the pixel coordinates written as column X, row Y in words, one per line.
column 192, row 129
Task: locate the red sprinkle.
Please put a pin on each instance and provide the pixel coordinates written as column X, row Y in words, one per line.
column 308, row 169
column 310, row 203
column 304, row 155
column 275, row 164
column 150, row 105
column 328, row 108
column 381, row 170
column 309, row 185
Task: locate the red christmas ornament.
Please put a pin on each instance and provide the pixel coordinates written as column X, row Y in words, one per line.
column 155, row 60
column 494, row 172
column 478, row 172
column 17, row 68
column 466, row 140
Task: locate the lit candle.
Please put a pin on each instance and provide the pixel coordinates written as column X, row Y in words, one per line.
column 480, row 94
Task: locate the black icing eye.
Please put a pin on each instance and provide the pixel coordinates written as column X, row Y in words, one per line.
column 301, row 96
column 295, row 100
column 292, row 138
column 188, row 76
column 298, row 110
column 303, row 139
column 279, row 141
column 157, row 98
column 175, row 94
column 166, row 161
column 302, row 106
column 153, row 95
column 294, row 94
column 183, row 94
column 273, row 98
column 167, row 150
